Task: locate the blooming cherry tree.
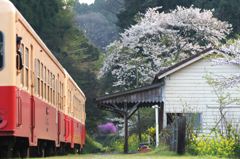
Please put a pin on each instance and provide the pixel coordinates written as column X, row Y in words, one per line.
column 231, row 56
column 160, row 39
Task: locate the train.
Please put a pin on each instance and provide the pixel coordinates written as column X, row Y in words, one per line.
column 42, row 109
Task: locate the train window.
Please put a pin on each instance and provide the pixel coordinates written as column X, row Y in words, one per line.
column 57, row 88
column 42, row 80
column 69, row 101
column 60, row 84
column 38, row 77
column 35, row 73
column 26, row 67
column 48, row 79
column 22, row 70
column 62, row 96
column 41, row 70
column 1, row 50
column 50, row 95
column 63, row 106
column 47, row 85
column 53, row 81
column 52, row 88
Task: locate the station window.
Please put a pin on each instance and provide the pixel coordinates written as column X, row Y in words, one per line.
column 26, row 67
column 1, row 50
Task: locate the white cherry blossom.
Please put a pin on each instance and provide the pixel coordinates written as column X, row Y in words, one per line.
column 160, row 39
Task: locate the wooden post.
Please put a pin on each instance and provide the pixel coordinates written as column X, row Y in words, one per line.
column 125, row 133
column 139, row 126
column 181, row 135
column 161, row 116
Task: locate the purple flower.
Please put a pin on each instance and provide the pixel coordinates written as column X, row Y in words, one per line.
column 108, row 128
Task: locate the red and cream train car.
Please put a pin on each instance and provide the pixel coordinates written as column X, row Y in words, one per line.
column 42, row 110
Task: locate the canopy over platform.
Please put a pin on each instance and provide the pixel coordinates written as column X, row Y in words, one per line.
column 127, row 103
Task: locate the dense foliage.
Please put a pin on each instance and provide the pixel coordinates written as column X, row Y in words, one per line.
column 54, row 23
column 214, row 145
column 92, row 146
column 133, row 143
column 99, row 20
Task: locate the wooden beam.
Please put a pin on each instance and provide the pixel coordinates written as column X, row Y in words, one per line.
column 133, row 110
column 110, row 109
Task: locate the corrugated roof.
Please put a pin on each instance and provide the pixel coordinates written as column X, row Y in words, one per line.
column 144, row 95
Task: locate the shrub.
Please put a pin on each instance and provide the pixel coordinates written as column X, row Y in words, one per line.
column 118, row 145
column 93, row 146
column 217, row 145
column 107, row 128
column 133, row 143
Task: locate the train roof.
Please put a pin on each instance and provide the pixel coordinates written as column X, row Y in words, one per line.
column 7, row 6
column 38, row 39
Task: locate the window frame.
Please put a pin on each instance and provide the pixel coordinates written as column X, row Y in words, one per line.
column 22, row 71
column 26, row 67
column 3, row 50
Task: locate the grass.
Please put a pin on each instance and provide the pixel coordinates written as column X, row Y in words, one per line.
column 156, row 154
column 129, row 156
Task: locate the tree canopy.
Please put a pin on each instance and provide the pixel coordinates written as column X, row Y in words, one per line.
column 99, row 21
column 225, row 10
column 231, row 57
column 160, row 39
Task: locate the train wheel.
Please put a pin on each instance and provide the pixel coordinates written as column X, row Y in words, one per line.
column 33, row 152
column 24, row 152
column 42, row 152
column 50, row 150
column 6, row 152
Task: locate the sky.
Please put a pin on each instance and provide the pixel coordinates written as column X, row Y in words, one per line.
column 87, row 1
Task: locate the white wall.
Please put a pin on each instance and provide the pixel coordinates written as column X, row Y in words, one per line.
column 187, row 90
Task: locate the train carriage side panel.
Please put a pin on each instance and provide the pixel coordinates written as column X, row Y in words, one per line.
column 7, row 69
column 39, row 87
column 34, row 100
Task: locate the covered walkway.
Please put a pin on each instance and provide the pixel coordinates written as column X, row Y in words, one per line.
column 128, row 102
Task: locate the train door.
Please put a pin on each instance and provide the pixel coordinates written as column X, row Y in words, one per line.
column 33, row 140
column 59, row 127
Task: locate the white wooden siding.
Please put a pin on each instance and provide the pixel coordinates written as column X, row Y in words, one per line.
column 187, row 91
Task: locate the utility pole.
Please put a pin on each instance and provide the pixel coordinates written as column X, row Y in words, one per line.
column 138, row 113
column 157, row 125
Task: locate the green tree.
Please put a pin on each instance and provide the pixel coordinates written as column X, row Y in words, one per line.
column 54, row 23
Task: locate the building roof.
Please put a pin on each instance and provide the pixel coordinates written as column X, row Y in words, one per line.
column 146, row 94
column 163, row 73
